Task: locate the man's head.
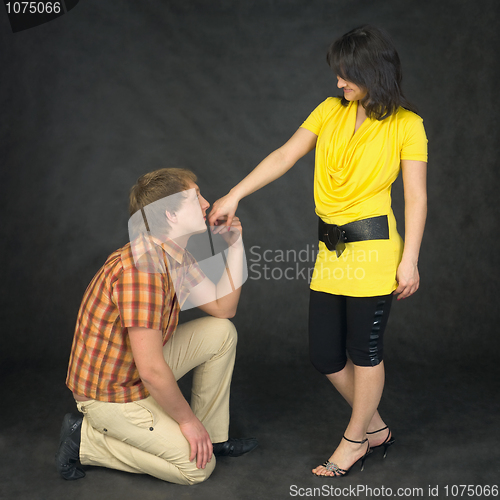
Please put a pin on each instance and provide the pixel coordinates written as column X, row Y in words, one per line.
column 159, row 184
column 169, row 202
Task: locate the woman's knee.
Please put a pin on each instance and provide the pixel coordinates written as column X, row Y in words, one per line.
column 370, row 356
column 328, row 364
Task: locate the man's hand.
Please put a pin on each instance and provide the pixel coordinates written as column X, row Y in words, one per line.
column 231, row 233
column 408, row 279
column 199, row 442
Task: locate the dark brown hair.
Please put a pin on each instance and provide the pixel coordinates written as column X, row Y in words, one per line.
column 367, row 57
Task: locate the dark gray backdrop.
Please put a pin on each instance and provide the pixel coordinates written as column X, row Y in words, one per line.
column 114, row 89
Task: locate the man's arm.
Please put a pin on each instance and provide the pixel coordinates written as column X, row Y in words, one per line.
column 221, row 299
column 147, row 349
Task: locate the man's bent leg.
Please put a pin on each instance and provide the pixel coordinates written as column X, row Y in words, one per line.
column 140, row 438
column 207, row 345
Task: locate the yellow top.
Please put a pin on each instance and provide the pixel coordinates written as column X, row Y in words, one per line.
column 352, row 181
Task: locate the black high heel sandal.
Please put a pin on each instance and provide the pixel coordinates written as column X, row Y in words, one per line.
column 337, row 471
column 388, row 442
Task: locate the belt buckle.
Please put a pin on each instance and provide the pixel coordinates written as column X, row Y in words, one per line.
column 335, row 239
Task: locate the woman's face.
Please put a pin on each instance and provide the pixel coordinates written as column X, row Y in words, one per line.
column 351, row 91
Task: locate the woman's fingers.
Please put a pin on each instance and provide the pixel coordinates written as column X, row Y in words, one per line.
column 224, row 207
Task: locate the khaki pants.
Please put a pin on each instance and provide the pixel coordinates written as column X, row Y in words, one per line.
column 140, row 437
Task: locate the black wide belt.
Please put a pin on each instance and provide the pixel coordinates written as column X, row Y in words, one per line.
column 335, row 237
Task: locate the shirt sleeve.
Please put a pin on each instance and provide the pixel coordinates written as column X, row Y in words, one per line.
column 140, row 299
column 414, row 145
column 315, row 120
column 194, row 275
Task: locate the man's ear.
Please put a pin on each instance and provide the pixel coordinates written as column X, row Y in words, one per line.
column 171, row 216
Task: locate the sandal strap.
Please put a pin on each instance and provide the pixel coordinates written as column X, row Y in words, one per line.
column 380, row 430
column 330, row 466
column 357, row 442
column 388, row 437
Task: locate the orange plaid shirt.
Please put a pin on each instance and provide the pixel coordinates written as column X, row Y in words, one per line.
column 124, row 294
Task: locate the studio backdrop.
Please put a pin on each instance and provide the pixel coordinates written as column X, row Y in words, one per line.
column 110, row 90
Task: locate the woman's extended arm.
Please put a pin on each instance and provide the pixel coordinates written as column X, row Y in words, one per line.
column 271, row 168
column 415, row 191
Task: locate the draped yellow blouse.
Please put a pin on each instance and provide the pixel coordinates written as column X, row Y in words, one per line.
column 353, row 176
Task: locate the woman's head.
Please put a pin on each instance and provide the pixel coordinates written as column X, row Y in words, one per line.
column 366, row 57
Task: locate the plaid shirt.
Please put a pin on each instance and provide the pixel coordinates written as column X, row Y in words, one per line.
column 139, row 285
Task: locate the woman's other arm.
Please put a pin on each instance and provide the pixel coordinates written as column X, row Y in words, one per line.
column 415, row 193
column 271, row 168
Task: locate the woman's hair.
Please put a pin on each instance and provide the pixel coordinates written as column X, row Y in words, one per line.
column 367, row 57
column 159, row 184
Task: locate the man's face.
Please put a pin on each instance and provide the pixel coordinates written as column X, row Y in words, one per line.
column 191, row 215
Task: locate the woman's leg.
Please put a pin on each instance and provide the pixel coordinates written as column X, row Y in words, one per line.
column 327, row 345
column 327, row 331
column 343, row 381
column 361, row 383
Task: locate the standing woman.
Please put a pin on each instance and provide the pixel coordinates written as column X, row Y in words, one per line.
column 362, row 141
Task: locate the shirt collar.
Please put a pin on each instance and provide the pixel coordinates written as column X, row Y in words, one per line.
column 145, row 244
column 172, row 248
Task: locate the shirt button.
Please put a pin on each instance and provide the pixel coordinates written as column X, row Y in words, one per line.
column 151, row 429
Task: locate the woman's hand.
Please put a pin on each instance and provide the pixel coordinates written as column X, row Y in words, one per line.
column 230, row 233
column 223, row 211
column 408, row 279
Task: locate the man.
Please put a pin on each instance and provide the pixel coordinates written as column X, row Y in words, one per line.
column 128, row 350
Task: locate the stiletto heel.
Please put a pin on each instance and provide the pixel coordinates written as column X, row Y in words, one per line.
column 337, row 471
column 388, row 442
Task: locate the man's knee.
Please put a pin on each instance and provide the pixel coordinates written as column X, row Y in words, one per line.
column 231, row 330
column 197, row 476
column 223, row 328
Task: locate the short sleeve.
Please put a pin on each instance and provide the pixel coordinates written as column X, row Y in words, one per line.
column 315, row 120
column 414, row 146
column 194, row 275
column 140, row 299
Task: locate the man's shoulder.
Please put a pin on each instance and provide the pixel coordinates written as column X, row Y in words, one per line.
column 125, row 256
column 116, row 264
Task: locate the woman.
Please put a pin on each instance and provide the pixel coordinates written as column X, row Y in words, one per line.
column 362, row 141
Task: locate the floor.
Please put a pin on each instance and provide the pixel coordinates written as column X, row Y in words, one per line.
column 445, row 421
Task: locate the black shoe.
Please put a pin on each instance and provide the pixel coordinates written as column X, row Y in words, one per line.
column 69, row 448
column 389, row 440
column 337, row 471
column 234, row 447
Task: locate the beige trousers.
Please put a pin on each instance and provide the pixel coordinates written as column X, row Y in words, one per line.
column 140, row 437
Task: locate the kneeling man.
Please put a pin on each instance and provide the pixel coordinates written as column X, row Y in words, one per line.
column 129, row 351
